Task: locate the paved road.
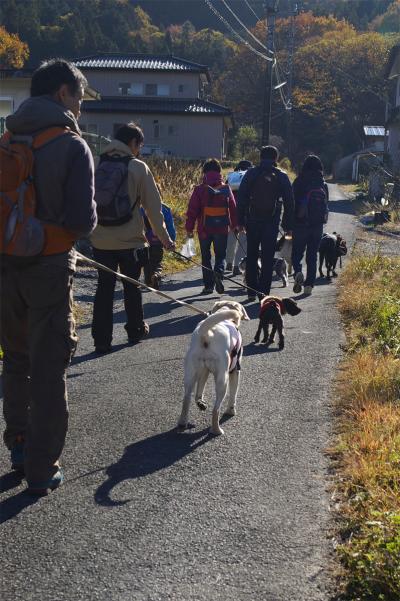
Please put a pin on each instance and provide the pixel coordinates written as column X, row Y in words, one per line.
column 147, row 514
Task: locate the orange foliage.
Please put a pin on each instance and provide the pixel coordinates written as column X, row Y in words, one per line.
column 13, row 52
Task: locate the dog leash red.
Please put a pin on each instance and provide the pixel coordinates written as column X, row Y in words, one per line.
column 225, row 276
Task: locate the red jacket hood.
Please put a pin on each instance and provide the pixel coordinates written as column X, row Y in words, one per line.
column 212, row 178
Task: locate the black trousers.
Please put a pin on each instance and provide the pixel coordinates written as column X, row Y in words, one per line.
column 102, row 325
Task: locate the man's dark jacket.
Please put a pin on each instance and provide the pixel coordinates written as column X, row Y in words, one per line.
column 286, row 195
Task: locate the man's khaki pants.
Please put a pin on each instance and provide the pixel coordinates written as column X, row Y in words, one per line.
column 38, row 338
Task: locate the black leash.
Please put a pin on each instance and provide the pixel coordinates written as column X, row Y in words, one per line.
column 240, row 244
column 225, row 276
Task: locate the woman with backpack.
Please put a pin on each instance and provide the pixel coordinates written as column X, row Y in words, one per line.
column 213, row 206
column 311, row 197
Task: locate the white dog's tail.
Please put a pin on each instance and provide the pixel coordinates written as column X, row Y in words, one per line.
column 206, row 326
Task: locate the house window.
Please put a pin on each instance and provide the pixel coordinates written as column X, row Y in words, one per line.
column 156, row 129
column 136, row 89
column 6, row 106
column 151, row 89
column 180, row 88
column 123, row 88
column 163, row 90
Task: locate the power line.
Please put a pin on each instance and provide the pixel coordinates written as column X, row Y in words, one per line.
column 254, row 13
column 244, row 26
column 235, row 33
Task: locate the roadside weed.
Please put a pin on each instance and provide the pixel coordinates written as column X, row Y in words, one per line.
column 368, row 445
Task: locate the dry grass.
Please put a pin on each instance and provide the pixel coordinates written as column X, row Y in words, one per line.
column 368, row 446
column 176, row 179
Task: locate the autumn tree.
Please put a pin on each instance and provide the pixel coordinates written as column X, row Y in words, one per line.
column 13, row 52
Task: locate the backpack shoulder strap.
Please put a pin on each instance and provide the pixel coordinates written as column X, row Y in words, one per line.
column 48, row 135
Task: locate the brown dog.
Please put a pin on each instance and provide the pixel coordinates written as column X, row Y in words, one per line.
column 272, row 310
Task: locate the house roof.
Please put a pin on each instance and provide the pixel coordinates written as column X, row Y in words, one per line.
column 194, row 106
column 394, row 57
column 140, row 62
column 374, row 130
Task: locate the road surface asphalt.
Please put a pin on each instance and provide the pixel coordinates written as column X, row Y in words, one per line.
column 147, row 514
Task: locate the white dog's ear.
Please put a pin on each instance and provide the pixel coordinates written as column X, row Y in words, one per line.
column 217, row 305
column 245, row 317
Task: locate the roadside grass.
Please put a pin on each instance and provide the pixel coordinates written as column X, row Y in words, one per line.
column 368, row 445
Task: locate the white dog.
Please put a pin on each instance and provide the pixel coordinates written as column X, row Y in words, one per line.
column 215, row 347
column 285, row 246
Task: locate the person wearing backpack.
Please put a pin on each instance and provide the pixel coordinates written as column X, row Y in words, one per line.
column 153, row 269
column 264, row 192
column 52, row 198
column 311, row 213
column 213, row 206
column 123, row 185
column 236, row 248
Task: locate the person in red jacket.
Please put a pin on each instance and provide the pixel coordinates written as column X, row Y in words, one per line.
column 213, row 206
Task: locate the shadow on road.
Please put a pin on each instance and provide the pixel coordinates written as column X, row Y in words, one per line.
column 11, row 507
column 341, row 206
column 148, row 456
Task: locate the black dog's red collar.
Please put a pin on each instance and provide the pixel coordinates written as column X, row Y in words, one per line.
column 274, row 302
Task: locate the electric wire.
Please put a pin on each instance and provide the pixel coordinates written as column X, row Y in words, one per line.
column 252, row 10
column 245, row 28
column 235, row 33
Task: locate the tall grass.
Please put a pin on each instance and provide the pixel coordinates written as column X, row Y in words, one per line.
column 176, row 180
column 368, row 447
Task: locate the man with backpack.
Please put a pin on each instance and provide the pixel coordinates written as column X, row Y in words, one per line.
column 46, row 203
column 123, row 185
column 262, row 194
column 213, row 206
column 311, row 213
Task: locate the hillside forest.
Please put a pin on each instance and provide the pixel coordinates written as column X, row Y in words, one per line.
column 340, row 50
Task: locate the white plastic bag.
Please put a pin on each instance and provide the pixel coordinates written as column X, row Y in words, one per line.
column 188, row 250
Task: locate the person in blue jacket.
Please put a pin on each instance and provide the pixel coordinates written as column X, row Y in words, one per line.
column 153, row 269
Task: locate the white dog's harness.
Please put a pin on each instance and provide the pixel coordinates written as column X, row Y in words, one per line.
column 236, row 346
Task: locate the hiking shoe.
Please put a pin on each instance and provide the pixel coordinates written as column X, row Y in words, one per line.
column 102, row 349
column 219, row 287
column 17, row 454
column 236, row 270
column 144, row 331
column 41, row 489
column 298, row 282
column 207, row 290
column 308, row 290
column 229, row 267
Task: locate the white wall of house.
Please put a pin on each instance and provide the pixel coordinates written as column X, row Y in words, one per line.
column 394, row 145
column 171, row 84
column 13, row 92
column 188, row 136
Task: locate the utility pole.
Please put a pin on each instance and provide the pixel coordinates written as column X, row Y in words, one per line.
column 271, row 8
column 294, row 11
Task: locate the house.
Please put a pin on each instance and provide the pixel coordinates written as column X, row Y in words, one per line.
column 15, row 87
column 165, row 95
column 393, row 113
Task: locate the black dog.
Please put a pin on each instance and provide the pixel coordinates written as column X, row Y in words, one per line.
column 332, row 247
column 272, row 310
